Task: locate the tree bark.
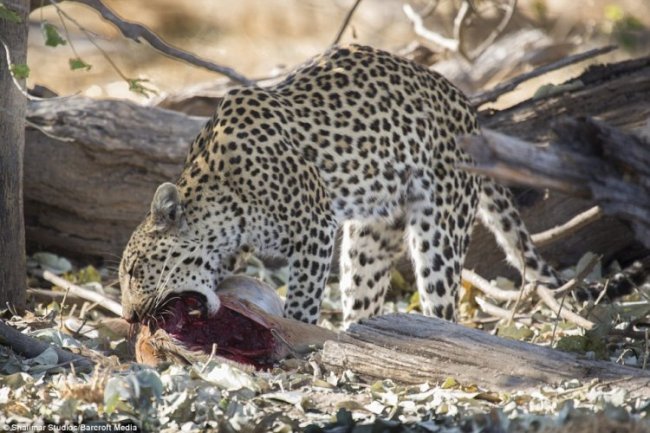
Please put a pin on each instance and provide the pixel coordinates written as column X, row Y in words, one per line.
column 414, row 349
column 85, row 195
column 12, row 142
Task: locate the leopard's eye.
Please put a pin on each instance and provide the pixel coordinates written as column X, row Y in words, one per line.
column 132, row 266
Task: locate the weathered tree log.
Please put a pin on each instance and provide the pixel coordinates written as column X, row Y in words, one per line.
column 415, row 349
column 85, row 196
column 590, row 160
column 87, row 191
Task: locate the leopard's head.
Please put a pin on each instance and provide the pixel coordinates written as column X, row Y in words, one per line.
column 164, row 257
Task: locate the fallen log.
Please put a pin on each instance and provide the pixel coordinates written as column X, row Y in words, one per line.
column 411, row 348
column 92, row 166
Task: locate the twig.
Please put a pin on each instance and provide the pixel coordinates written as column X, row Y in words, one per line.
column 137, row 31
column 348, row 17
column 562, row 291
column 646, row 352
column 31, row 347
column 132, row 82
column 498, row 312
column 461, row 16
column 569, row 285
column 573, row 225
column 547, row 296
column 456, row 44
column 494, row 94
column 557, row 319
column 75, row 290
column 484, row 286
column 508, row 14
column 421, row 30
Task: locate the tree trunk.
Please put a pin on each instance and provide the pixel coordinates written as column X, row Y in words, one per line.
column 12, row 142
column 414, row 349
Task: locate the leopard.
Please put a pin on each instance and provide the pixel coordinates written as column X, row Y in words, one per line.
column 356, row 142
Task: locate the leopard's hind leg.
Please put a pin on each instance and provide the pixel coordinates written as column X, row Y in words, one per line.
column 368, row 251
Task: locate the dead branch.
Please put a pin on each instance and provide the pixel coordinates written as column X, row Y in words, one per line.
column 346, row 21
column 498, row 312
column 547, row 296
column 30, row 347
column 573, row 225
column 421, row 30
column 486, row 287
column 138, row 32
column 494, row 93
column 456, row 44
column 80, row 292
column 509, row 11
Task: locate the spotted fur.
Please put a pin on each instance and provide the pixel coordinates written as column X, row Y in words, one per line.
column 357, row 138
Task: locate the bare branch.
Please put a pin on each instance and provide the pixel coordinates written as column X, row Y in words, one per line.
column 568, row 228
column 547, row 296
column 348, row 17
column 421, row 30
column 456, row 44
column 498, row 312
column 508, row 13
column 486, row 287
column 137, row 32
column 75, row 290
column 580, row 276
column 496, row 92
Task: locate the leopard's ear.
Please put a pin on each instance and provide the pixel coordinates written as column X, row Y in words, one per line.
column 166, row 208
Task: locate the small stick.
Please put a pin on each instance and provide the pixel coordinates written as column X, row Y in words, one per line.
column 75, row 290
column 547, row 296
column 421, row 30
column 563, row 230
column 494, row 93
column 500, row 313
column 348, row 17
column 484, row 286
column 569, row 285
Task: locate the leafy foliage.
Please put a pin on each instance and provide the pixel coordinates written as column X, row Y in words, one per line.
column 51, row 35
column 20, row 70
column 78, row 63
column 135, row 85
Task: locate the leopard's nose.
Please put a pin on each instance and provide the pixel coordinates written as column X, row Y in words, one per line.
column 130, row 314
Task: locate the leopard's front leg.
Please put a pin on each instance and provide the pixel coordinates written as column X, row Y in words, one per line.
column 309, row 265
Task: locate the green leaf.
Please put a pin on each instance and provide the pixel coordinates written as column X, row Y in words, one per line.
column 51, row 35
column 135, row 85
column 79, row 64
column 9, row 15
column 20, row 70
